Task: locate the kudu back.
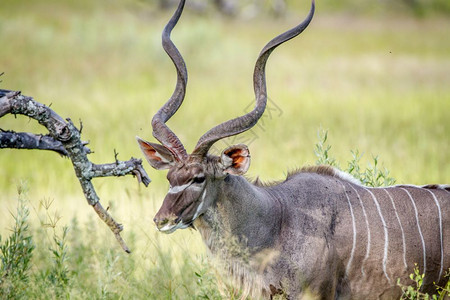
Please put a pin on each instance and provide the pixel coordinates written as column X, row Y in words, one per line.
column 319, row 230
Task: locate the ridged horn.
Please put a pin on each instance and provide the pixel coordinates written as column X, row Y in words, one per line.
column 160, row 130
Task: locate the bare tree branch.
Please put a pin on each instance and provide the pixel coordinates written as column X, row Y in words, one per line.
column 25, row 140
column 121, row 168
column 64, row 133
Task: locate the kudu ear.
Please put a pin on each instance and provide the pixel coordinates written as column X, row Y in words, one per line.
column 157, row 155
column 235, row 159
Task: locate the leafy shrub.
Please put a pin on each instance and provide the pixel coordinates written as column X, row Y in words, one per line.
column 16, row 254
column 372, row 175
column 413, row 291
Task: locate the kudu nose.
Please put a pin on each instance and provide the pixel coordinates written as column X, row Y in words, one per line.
column 160, row 222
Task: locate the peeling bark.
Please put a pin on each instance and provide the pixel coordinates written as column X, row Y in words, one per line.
column 64, row 138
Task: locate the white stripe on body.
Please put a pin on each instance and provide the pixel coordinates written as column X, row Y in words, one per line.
column 349, row 264
column 368, row 231
column 440, row 231
column 401, row 228
column 420, row 231
column 386, row 236
column 346, row 177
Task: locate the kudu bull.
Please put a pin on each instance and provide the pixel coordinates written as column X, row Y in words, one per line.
column 319, row 230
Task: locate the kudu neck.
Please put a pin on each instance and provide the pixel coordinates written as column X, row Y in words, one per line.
column 243, row 212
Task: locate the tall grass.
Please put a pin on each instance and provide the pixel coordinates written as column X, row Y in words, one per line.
column 379, row 84
column 16, row 253
column 71, row 262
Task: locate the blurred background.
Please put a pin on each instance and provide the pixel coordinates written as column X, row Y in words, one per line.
column 280, row 8
column 375, row 74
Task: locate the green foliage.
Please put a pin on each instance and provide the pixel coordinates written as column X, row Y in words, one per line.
column 55, row 277
column 206, row 282
column 322, row 150
column 58, row 275
column 72, row 262
column 372, row 175
column 445, row 290
column 413, row 291
column 16, row 254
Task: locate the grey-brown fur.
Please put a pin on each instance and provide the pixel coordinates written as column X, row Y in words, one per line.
column 307, row 221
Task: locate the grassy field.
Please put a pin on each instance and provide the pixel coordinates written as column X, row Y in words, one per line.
column 378, row 84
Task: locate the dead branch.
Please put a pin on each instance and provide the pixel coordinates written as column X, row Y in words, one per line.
column 25, row 140
column 64, row 138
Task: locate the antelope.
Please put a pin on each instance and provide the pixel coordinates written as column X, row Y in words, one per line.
column 319, row 231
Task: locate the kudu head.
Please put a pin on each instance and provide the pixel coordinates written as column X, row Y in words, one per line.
column 194, row 177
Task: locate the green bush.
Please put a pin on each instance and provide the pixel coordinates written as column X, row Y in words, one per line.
column 16, row 254
column 413, row 291
column 371, row 176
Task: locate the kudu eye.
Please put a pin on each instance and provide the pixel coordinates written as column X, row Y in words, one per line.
column 199, row 179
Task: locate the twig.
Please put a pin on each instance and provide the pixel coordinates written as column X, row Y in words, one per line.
column 64, row 138
column 121, row 168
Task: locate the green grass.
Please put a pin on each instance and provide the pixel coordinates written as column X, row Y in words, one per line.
column 379, row 84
